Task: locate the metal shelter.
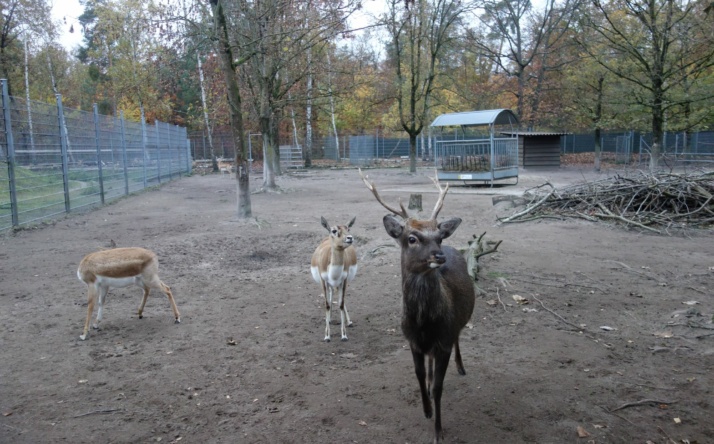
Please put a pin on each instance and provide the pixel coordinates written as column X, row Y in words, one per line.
column 470, row 146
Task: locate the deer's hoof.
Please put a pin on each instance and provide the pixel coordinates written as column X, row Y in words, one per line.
column 83, row 337
column 327, row 339
column 177, row 321
column 344, row 339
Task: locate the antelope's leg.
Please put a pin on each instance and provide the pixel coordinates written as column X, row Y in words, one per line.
column 457, row 358
column 167, row 291
column 420, row 371
column 343, row 312
column 327, row 292
column 91, row 299
column 102, row 297
column 147, row 289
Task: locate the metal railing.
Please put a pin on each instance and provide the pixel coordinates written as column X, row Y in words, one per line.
column 61, row 160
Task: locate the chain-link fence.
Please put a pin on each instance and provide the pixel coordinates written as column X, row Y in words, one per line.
column 632, row 146
column 62, row 160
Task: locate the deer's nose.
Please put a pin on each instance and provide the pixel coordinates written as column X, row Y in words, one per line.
column 439, row 257
column 348, row 239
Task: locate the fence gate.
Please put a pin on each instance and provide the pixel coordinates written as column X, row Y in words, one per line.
column 291, row 156
column 623, row 149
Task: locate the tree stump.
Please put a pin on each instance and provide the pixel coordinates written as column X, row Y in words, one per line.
column 415, row 202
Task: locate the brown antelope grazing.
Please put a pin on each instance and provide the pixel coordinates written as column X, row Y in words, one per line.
column 438, row 295
column 333, row 265
column 117, row 268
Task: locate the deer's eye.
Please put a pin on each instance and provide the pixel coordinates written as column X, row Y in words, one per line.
column 412, row 240
column 334, row 231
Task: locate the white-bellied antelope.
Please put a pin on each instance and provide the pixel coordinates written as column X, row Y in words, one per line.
column 438, row 295
column 333, row 265
column 117, row 268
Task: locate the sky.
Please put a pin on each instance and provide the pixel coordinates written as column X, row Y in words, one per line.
column 65, row 12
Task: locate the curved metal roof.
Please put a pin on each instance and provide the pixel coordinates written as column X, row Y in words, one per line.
column 474, row 118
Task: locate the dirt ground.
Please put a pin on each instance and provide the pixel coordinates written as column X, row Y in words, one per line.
column 248, row 363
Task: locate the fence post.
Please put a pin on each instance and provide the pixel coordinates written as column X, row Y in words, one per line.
column 63, row 147
column 168, row 142
column 158, row 151
column 99, row 153
column 123, row 154
column 10, row 153
column 143, row 148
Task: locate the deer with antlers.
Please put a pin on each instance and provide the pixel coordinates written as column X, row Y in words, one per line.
column 333, row 265
column 437, row 295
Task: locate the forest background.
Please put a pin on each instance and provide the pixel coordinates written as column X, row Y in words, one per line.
column 296, row 71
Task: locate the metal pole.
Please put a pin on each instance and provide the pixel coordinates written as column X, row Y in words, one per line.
column 99, row 153
column 158, row 151
column 168, row 142
column 143, row 148
column 123, row 146
column 63, row 147
column 10, row 153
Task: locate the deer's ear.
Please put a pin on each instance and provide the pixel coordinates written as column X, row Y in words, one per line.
column 393, row 226
column 324, row 223
column 448, row 227
column 352, row 222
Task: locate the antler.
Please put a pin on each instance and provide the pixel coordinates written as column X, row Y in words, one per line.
column 370, row 185
column 442, row 194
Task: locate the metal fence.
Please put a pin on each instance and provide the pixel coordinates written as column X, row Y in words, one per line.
column 628, row 145
column 64, row 160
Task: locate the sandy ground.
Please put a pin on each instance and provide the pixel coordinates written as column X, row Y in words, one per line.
column 607, row 344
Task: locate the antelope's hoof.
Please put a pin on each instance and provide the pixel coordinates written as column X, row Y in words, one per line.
column 177, row 321
column 95, row 326
column 83, row 337
column 350, row 324
column 141, row 316
column 344, row 339
column 327, row 339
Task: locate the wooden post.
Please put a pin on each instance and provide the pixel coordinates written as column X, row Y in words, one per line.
column 415, row 202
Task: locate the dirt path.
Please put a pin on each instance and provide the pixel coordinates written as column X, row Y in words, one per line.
column 248, row 363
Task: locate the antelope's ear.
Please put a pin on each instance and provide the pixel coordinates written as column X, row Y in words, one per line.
column 393, row 226
column 324, row 223
column 352, row 222
column 448, row 227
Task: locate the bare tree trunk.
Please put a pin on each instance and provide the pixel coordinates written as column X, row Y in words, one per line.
column 225, row 52
column 332, row 104
column 29, row 108
column 214, row 161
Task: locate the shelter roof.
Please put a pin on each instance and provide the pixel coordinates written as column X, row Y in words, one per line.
column 474, row 118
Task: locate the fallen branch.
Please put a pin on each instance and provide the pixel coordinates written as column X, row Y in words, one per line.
column 98, row 412
column 576, row 327
column 642, row 402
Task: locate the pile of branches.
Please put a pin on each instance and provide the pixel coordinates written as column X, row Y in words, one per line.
column 648, row 201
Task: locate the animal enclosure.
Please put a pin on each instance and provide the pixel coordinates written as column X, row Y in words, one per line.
column 248, row 362
column 470, row 146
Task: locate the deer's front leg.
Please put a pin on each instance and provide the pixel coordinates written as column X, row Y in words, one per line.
column 420, row 371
